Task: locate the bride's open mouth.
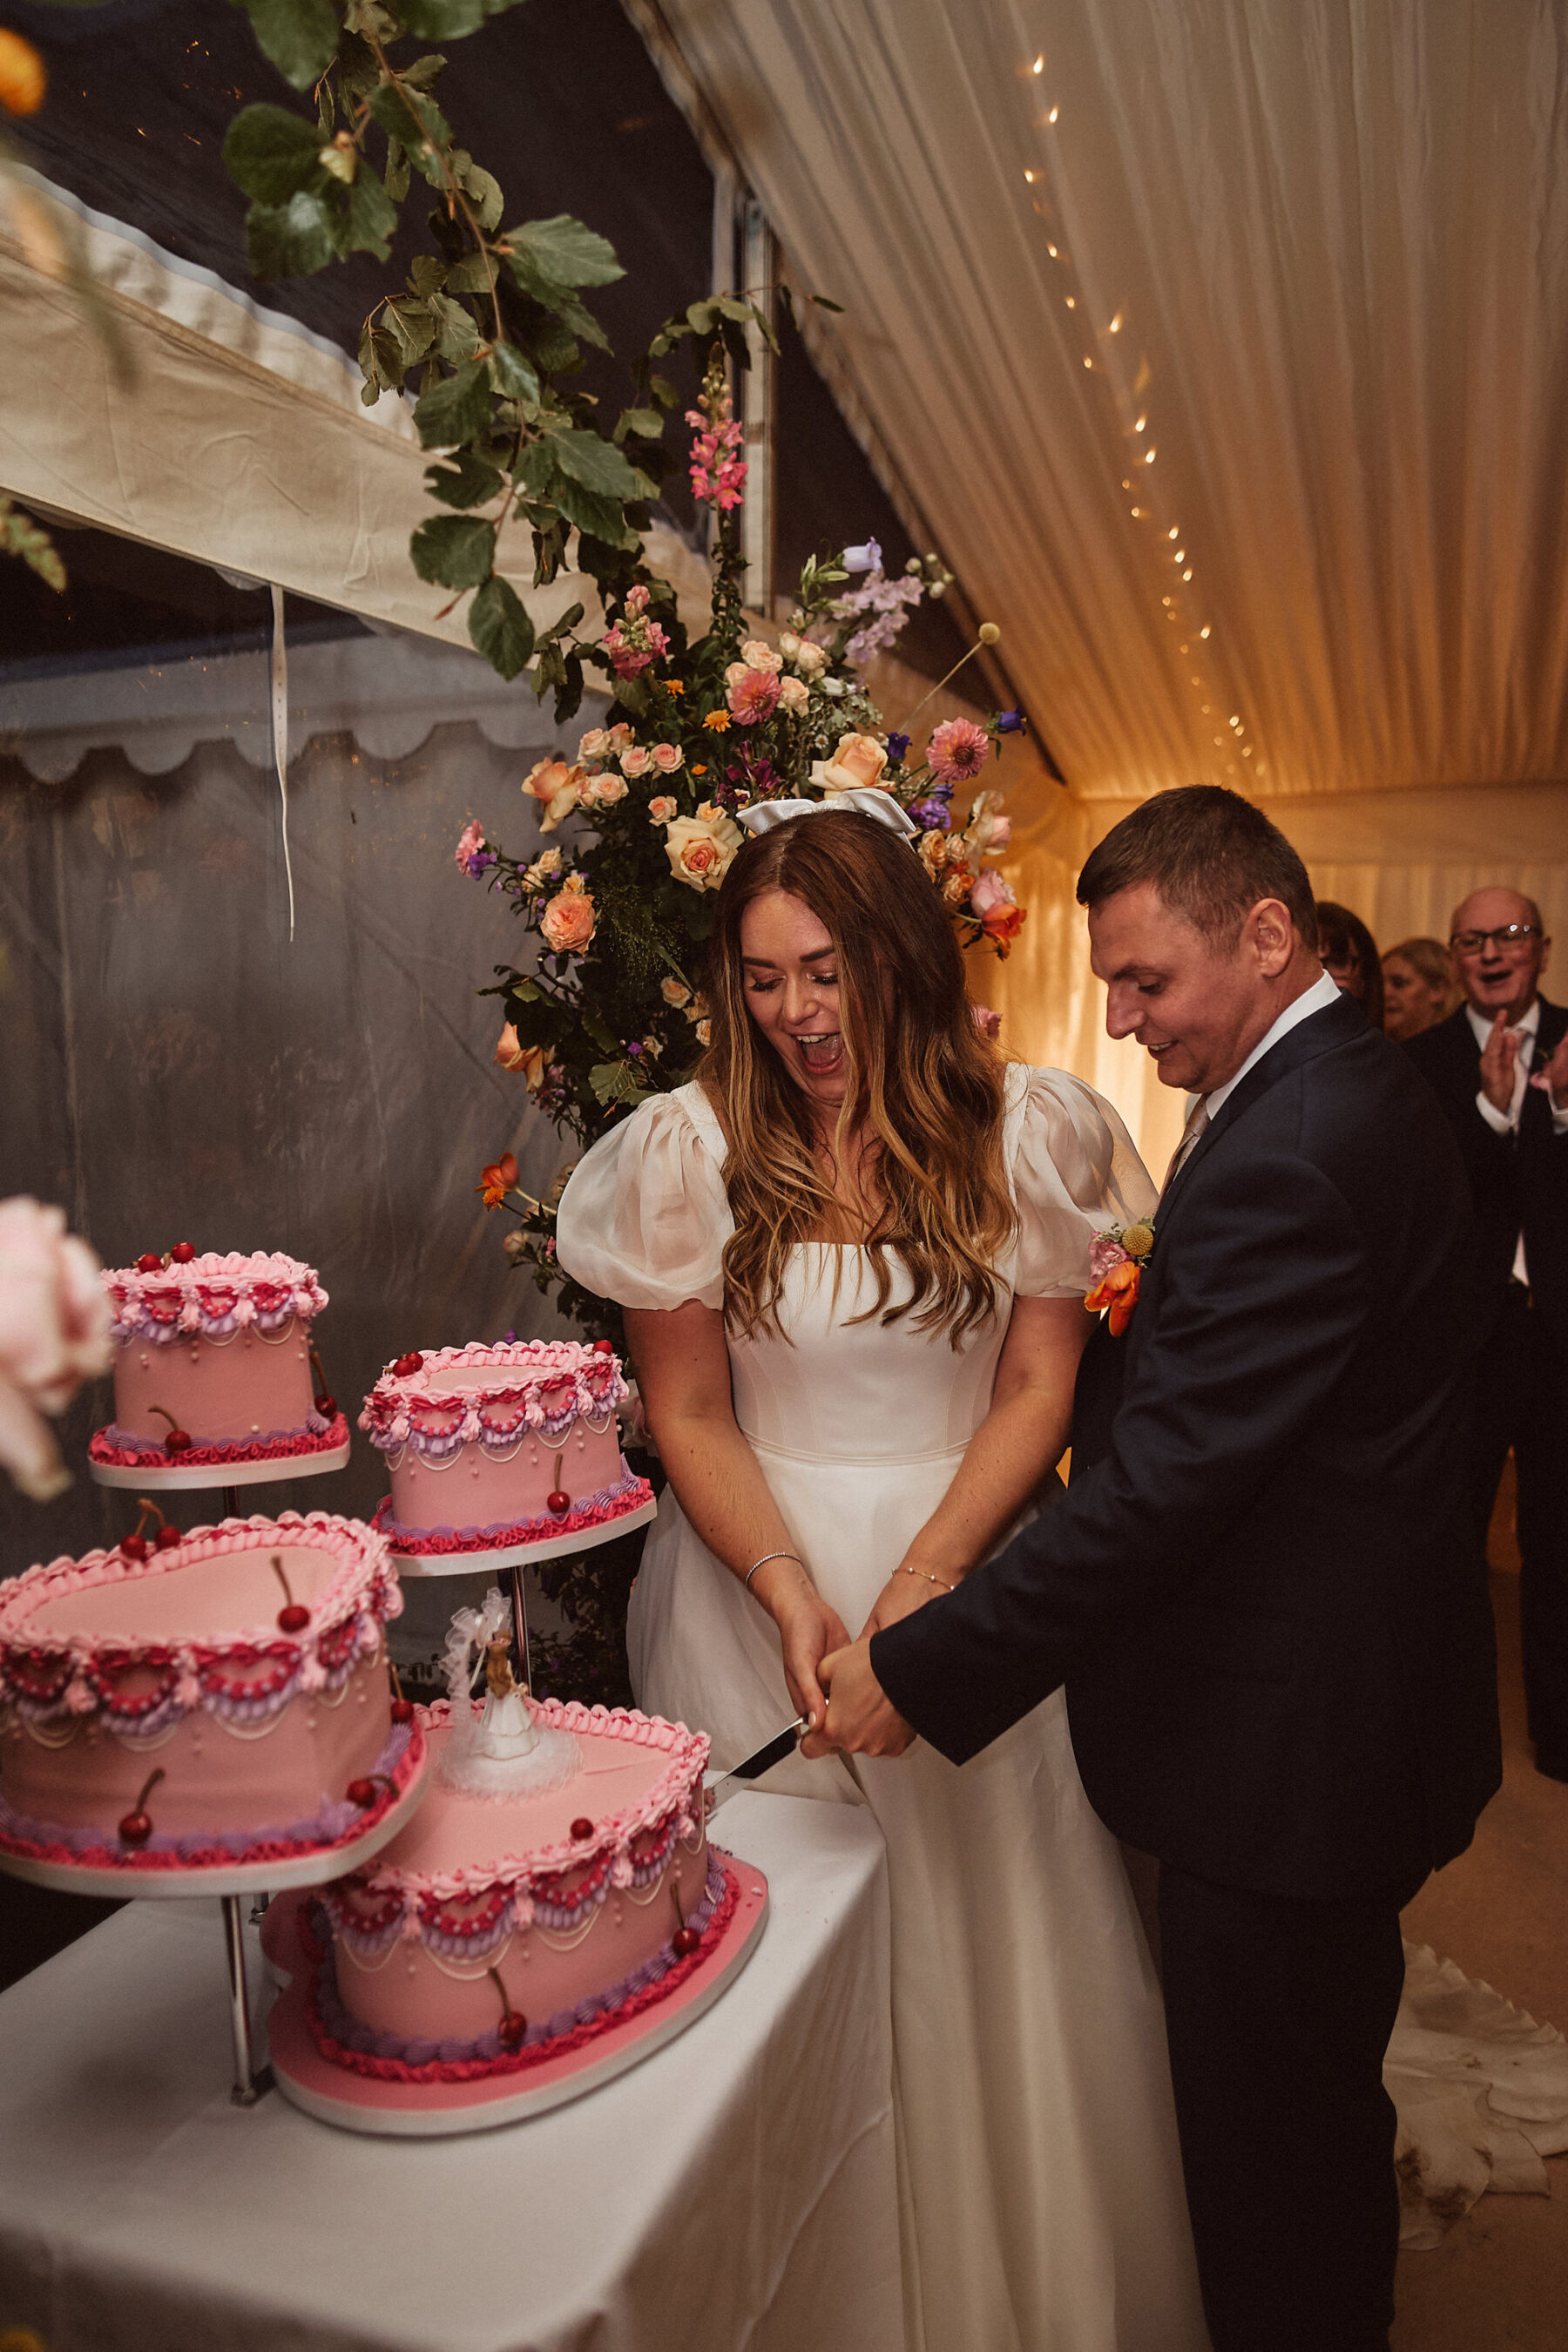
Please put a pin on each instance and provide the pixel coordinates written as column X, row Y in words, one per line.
column 823, row 1056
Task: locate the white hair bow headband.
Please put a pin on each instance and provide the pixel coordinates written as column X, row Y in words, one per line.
column 864, row 799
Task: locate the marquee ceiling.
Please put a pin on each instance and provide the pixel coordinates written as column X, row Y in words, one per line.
column 1223, row 345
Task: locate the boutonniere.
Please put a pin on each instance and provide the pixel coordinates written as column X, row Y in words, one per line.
column 1116, row 1262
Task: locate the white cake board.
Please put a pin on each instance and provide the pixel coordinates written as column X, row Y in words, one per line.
column 215, row 1475
column 476, row 1563
column 174, row 1885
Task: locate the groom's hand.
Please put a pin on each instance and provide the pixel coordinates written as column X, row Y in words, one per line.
column 861, row 1720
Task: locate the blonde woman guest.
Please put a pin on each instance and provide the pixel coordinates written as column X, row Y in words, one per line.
column 1417, row 988
column 853, row 1255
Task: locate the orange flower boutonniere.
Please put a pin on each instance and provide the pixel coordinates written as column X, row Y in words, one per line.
column 1116, row 1263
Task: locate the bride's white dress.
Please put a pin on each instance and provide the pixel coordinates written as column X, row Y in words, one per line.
column 1041, row 2194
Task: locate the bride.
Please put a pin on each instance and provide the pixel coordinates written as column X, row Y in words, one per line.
column 852, row 1257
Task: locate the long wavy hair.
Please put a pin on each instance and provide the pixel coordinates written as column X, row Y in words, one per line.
column 924, row 1092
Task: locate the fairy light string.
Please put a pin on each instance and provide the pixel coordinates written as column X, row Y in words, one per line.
column 1115, row 361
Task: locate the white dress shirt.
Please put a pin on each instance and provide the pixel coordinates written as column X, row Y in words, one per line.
column 1506, row 1122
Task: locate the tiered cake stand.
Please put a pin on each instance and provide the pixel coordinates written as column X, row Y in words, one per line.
column 233, row 1881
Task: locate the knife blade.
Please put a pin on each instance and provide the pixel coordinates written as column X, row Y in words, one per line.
column 752, row 1768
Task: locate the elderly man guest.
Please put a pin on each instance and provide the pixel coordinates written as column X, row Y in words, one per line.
column 1499, row 1067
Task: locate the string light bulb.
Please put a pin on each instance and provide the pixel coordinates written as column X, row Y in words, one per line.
column 1053, row 114
column 1140, row 423
column 1148, row 456
column 1038, row 67
column 1205, row 630
column 1115, row 326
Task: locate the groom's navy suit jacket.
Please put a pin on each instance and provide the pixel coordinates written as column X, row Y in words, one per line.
column 1276, row 1648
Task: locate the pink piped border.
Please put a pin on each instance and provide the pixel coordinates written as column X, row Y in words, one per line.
column 173, row 1298
column 677, row 1789
column 220, row 1452
column 364, row 1582
column 405, row 1403
column 517, row 2062
column 423, row 1542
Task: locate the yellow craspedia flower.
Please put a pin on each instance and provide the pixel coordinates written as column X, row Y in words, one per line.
column 23, row 79
column 1138, row 1240
column 719, row 720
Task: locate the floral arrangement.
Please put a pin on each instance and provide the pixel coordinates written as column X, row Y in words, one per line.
column 640, row 827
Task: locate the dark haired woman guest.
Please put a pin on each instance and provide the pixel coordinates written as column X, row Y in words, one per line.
column 1418, row 988
column 853, row 1255
column 1350, row 958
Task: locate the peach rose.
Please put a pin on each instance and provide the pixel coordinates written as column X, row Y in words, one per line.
column 795, row 695
column 567, row 921
column 758, row 655
column 662, row 807
column 701, row 848
column 593, row 745
column 675, row 992
column 532, row 1060
column 858, row 761
column 635, row 760
column 555, row 787
column 608, row 790
column 809, row 659
column 666, row 758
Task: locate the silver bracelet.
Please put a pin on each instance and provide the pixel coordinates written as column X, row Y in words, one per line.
column 763, row 1561
column 905, row 1570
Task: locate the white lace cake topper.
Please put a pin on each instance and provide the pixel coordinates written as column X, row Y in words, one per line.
column 503, row 1751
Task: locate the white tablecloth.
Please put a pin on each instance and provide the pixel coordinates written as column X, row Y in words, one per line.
column 734, row 2190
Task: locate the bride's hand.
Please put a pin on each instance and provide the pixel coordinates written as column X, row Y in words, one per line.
column 899, row 1597
column 808, row 1629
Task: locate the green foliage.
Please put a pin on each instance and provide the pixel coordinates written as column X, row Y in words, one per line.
column 458, row 551
column 21, row 536
column 501, row 628
column 300, row 37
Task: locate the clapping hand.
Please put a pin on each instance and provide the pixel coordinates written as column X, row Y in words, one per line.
column 1553, row 1079
column 861, row 1718
column 1499, row 1055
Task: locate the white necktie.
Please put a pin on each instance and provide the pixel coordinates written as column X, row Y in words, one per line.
column 1197, row 1120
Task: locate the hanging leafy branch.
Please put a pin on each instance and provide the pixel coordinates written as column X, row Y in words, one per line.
column 491, row 322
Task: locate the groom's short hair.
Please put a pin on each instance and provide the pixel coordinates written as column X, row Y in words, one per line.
column 1210, row 855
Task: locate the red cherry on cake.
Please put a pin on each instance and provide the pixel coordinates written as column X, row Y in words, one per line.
column 361, row 1793
column 178, row 1441
column 403, row 1710
column 136, row 1826
column 326, row 1406
column 294, row 1619
column 684, row 1942
column 182, row 1253
column 135, row 1546
column 581, row 1827
column 412, row 1362
column 149, row 1262
column 166, row 1539
column 511, row 2028
column 604, row 1347
column 558, row 1501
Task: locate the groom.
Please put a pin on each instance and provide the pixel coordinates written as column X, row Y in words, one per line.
column 1260, row 1589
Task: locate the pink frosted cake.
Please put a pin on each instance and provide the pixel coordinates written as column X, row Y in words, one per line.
column 493, row 1447
column 204, row 1700
column 495, row 1932
column 213, row 1365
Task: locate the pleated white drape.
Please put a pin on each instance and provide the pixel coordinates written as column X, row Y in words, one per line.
column 1223, row 345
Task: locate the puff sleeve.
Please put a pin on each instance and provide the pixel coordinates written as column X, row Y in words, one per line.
column 645, row 1216
column 1075, row 1171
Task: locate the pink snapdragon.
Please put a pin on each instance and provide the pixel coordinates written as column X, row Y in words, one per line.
column 957, row 750
column 634, row 641
column 718, row 469
column 472, row 857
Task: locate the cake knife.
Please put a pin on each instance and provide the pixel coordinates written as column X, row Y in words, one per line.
column 718, row 1786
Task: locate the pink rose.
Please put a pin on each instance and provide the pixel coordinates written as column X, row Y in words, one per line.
column 593, row 745
column 662, row 807
column 991, row 891
column 666, row 758
column 988, row 1023
column 567, row 921
column 1104, row 1254
column 635, row 760
column 608, row 790
column 55, row 1323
